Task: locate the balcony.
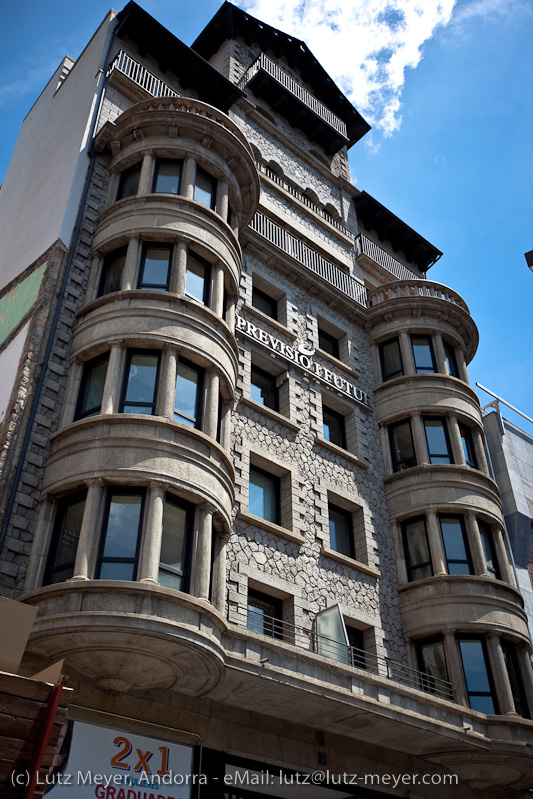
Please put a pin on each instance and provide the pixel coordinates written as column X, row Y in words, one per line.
column 309, row 258
column 414, row 287
column 368, row 253
column 127, row 66
column 298, row 106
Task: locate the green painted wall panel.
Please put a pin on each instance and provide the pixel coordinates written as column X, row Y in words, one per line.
column 16, row 303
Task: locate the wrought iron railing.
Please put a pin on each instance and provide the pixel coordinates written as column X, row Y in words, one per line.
column 305, row 97
column 127, row 65
column 257, row 622
column 365, row 246
column 313, row 260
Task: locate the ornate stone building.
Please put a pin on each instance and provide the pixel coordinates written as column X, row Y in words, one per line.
column 244, row 472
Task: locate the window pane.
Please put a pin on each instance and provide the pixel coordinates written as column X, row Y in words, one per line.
column 263, row 388
column 402, row 448
column 437, row 441
column 328, row 343
column 488, row 550
column 141, row 384
column 455, row 545
column 264, row 614
column 129, row 182
column 476, row 676
column 70, row 517
column 391, row 359
column 155, row 268
column 117, row 571
column 122, row 527
column 186, row 401
column 423, row 354
column 333, row 427
column 451, row 360
column 204, row 189
column 515, row 679
column 167, row 177
column 171, row 567
column 197, row 275
column 261, row 301
column 92, row 388
column 263, row 495
column 417, row 554
column 468, row 446
column 341, row 531
column 112, row 273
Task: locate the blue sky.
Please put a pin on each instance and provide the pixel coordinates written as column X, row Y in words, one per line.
column 448, row 87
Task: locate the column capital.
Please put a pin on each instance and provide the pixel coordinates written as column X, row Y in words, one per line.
column 159, row 485
column 95, row 482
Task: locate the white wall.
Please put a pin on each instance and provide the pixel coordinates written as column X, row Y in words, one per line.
column 9, row 363
column 40, row 195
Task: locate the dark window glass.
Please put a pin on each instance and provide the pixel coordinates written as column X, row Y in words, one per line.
column 477, row 675
column 468, row 446
column 119, row 547
column 439, row 449
column 264, row 614
column 261, row 301
column 263, row 388
column 129, row 182
column 391, row 358
column 155, row 267
column 197, row 282
column 401, row 444
column 432, row 664
column 423, row 354
column 455, row 545
column 187, row 403
column 92, row 387
column 416, row 547
column 515, row 679
column 177, row 524
column 451, row 360
column 62, row 557
column 205, row 189
column 357, row 647
column 111, row 276
column 264, row 495
column 140, row 383
column 487, row 543
column 333, row 426
column 341, row 531
column 219, row 418
column 167, row 177
column 328, row 343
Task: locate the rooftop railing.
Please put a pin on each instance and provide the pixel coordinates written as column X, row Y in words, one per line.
column 366, row 662
column 305, row 97
column 127, row 65
column 310, row 258
column 365, row 246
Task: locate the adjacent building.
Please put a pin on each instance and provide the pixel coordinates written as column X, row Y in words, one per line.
column 244, row 473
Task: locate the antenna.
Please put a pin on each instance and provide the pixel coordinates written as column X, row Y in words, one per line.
column 512, row 407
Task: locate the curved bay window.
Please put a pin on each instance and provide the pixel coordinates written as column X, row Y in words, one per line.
column 120, row 541
column 156, row 263
column 432, row 665
column 167, row 176
column 402, row 446
column 62, row 555
column 456, row 547
column 92, row 387
column 451, row 359
column 468, row 446
column 439, row 449
column 197, row 281
column 129, row 182
column 140, row 382
column 188, row 398
column 391, row 359
column 487, row 543
column 423, row 354
column 205, row 188
column 112, row 269
column 178, row 517
column 416, row 548
column 478, row 677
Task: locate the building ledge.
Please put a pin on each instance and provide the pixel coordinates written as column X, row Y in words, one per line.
column 269, row 413
column 351, row 563
column 270, row 527
column 341, row 452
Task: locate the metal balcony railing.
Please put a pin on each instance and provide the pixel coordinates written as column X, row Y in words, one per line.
column 127, row 65
column 303, row 199
column 258, row 622
column 305, row 97
column 365, row 246
column 310, row 258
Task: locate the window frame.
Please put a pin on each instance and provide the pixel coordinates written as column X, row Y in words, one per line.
column 271, row 380
column 331, row 341
column 349, row 530
column 199, row 406
column 424, row 369
column 410, row 566
column 108, row 260
column 158, row 163
column 341, row 421
column 487, row 543
column 467, row 443
column 185, row 574
column 258, row 293
column 399, row 465
column 451, row 359
column 101, row 558
column 56, row 540
column 472, row 693
column 84, row 385
column 123, row 402
column 428, row 681
column 213, row 181
column 148, row 245
column 123, row 177
column 274, row 626
column 451, row 561
column 449, row 453
column 276, row 483
column 381, row 347
column 207, row 278
column 357, row 650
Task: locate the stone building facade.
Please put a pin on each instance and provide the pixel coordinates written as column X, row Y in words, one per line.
column 249, row 492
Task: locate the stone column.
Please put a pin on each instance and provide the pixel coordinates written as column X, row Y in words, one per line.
column 455, row 668
column 219, row 573
column 211, row 403
column 230, row 313
column 41, row 545
column 500, row 676
column 506, row 569
column 202, row 565
column 217, row 296
column 479, row 449
column 476, row 547
column 461, row 365
column 440, row 355
column 153, row 534
column 94, row 278
column 112, row 189
column 407, row 353
column 456, row 441
column 385, row 447
column 71, row 393
column 167, row 382
column 147, row 173
column 225, row 431
column 399, row 552
column 131, row 265
column 178, row 277
column 88, row 541
column 419, row 439
column 222, row 199
column 113, row 380
column 436, row 546
column 188, row 177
